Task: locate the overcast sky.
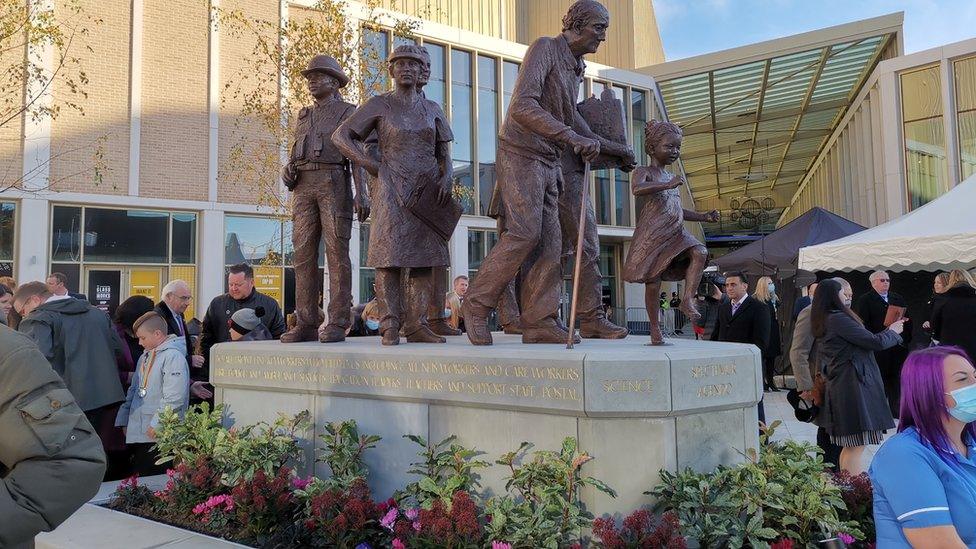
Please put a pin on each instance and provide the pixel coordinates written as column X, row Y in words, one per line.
column 693, row 27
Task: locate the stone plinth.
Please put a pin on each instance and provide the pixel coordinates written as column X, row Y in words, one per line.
column 636, row 409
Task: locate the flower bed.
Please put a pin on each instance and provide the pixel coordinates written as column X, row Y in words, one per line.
column 238, row 485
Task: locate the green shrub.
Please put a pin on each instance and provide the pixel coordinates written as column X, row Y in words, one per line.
column 543, row 508
column 783, row 493
column 445, row 468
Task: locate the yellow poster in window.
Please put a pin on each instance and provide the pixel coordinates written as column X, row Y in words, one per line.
column 188, row 274
column 144, row 282
column 271, row 282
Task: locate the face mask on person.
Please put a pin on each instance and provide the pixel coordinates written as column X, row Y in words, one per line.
column 373, row 324
column 447, row 313
column 965, row 408
column 772, row 287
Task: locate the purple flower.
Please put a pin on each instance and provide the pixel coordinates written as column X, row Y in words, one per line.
column 397, row 544
column 301, row 483
column 411, row 514
column 846, row 538
column 390, row 518
column 364, row 545
column 500, row 545
column 416, row 525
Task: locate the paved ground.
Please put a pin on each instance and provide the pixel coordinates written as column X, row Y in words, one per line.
column 777, row 408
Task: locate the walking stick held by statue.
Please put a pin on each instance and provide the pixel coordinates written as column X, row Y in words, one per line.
column 605, row 117
column 579, row 261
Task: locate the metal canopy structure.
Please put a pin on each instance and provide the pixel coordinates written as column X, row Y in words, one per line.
column 756, row 117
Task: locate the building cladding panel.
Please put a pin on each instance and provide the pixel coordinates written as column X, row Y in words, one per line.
column 11, row 146
column 175, row 121
column 494, row 18
column 234, row 50
column 102, row 127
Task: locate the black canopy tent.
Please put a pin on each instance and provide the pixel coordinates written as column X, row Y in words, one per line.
column 776, row 255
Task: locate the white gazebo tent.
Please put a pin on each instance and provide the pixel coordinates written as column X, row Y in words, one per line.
column 940, row 235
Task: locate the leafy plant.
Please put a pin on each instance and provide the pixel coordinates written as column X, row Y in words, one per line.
column 546, row 510
column 446, row 467
column 259, row 447
column 640, row 531
column 858, row 495
column 181, row 440
column 782, row 493
column 343, row 452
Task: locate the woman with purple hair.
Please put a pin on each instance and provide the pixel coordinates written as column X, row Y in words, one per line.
column 855, row 409
column 924, row 477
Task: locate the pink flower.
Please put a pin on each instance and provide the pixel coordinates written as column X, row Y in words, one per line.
column 226, row 500
column 411, row 514
column 390, row 518
column 846, row 538
column 397, row 544
column 500, row 545
column 130, row 482
column 416, row 525
column 200, row 508
column 301, row 483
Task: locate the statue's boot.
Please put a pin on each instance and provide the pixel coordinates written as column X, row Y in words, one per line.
column 391, row 336
column 547, row 334
column 601, row 328
column 476, row 325
column 514, row 327
column 299, row 334
column 440, row 327
column 332, row 334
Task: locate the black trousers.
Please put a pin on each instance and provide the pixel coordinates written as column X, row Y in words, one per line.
column 831, row 450
column 144, row 456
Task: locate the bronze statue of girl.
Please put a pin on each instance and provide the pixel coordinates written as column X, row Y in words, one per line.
column 662, row 248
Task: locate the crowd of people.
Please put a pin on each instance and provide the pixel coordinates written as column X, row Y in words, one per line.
column 854, row 374
column 123, row 370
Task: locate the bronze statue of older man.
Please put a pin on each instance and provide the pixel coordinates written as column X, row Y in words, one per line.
column 541, row 123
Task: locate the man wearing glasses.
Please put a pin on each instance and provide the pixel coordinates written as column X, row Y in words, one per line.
column 176, row 299
column 873, row 307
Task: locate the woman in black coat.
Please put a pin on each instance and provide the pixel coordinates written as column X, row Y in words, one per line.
column 766, row 294
column 954, row 316
column 855, row 409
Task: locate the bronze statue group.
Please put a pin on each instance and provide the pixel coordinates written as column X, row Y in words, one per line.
column 546, row 145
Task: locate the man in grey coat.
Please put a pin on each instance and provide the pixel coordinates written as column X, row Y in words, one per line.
column 79, row 342
column 803, row 357
column 51, row 461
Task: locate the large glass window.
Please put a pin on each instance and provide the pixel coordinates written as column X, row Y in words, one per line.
column 7, row 225
column 965, row 77
column 638, row 106
column 131, row 236
column 462, row 151
column 487, row 128
column 252, row 240
column 66, row 233
column 480, row 242
column 509, row 75
column 367, row 275
column 184, row 238
column 925, row 151
column 376, row 51
column 436, row 89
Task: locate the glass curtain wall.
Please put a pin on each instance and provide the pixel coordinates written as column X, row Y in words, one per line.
column 965, row 77
column 926, row 166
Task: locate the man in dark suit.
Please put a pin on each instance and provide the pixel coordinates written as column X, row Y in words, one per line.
column 803, row 302
column 742, row 319
column 872, row 307
column 176, row 299
column 57, row 284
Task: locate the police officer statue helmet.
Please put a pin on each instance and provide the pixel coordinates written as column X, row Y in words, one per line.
column 328, row 65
